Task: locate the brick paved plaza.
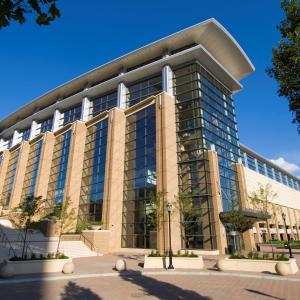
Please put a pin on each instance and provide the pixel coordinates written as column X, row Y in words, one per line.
column 95, row 278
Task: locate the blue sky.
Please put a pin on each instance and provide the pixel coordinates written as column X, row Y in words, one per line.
column 36, row 59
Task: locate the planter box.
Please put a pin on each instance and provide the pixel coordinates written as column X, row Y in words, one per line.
column 38, row 266
column 251, row 265
column 178, row 262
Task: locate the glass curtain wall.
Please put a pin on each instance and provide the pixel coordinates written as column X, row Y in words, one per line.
column 139, row 228
column 93, row 174
column 143, row 89
column 46, row 125
column 10, row 177
column 58, row 173
column 103, row 103
column 70, row 115
column 205, row 117
column 32, row 170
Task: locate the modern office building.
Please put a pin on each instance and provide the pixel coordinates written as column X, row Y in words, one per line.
column 154, row 126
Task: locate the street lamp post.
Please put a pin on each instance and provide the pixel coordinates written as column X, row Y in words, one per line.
column 288, row 237
column 170, row 267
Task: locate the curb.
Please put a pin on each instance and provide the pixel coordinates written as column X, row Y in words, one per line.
column 144, row 273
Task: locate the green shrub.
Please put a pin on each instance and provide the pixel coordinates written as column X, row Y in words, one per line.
column 154, row 254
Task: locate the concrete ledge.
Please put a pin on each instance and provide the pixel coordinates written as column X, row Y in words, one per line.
column 251, row 265
column 38, row 266
column 178, row 262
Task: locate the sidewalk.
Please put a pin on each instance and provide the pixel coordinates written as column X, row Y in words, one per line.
column 103, row 266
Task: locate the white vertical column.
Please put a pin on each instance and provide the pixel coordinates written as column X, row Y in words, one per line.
column 2, row 143
column 122, row 95
column 56, row 120
column 86, row 104
column 15, row 139
column 167, row 79
column 33, row 130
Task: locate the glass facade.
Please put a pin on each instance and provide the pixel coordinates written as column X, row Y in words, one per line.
column 10, row 177
column 70, row 115
column 93, row 174
column 32, row 170
column 143, row 89
column 46, row 125
column 205, row 120
column 103, row 103
column 139, row 212
column 56, row 186
column 25, row 135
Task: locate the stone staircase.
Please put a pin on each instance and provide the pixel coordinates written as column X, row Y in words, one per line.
column 11, row 243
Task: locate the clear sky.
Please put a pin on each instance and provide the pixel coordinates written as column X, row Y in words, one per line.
column 35, row 59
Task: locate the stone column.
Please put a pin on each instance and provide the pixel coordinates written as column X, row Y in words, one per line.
column 114, row 178
column 122, row 95
column 3, row 169
column 167, row 79
column 217, row 201
column 297, row 218
column 167, row 172
column 275, row 208
column 248, row 236
column 41, row 186
column 33, row 130
column 291, row 217
column 20, row 174
column 56, row 120
column 86, row 103
column 75, row 166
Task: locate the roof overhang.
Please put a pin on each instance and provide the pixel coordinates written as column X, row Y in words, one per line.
column 211, row 36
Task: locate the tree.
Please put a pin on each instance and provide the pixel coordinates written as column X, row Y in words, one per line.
column 45, row 11
column 28, row 212
column 286, row 58
column 66, row 217
column 262, row 200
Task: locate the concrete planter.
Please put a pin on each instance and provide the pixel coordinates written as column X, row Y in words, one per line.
column 38, row 266
column 178, row 262
column 252, row 265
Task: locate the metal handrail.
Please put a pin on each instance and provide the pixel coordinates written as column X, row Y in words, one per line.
column 91, row 244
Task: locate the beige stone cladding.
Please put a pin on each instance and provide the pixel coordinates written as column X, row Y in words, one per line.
column 3, row 169
column 217, row 201
column 248, row 236
column 41, row 186
column 286, row 201
column 166, row 170
column 20, row 173
column 74, row 172
column 114, row 181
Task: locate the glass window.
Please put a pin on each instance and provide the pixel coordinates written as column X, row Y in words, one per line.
column 92, row 184
column 143, row 89
column 70, row 115
column 25, row 134
column 10, row 177
column 46, row 125
column 261, row 167
column 139, row 209
column 270, row 172
column 251, row 162
column 56, row 186
column 103, row 103
column 32, row 170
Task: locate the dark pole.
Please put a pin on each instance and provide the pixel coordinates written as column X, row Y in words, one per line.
column 288, row 237
column 170, row 267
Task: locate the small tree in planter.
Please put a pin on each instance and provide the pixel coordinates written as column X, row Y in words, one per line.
column 28, row 212
column 262, row 200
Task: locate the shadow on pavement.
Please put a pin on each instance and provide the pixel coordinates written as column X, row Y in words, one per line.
column 73, row 291
column 160, row 289
column 263, row 294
